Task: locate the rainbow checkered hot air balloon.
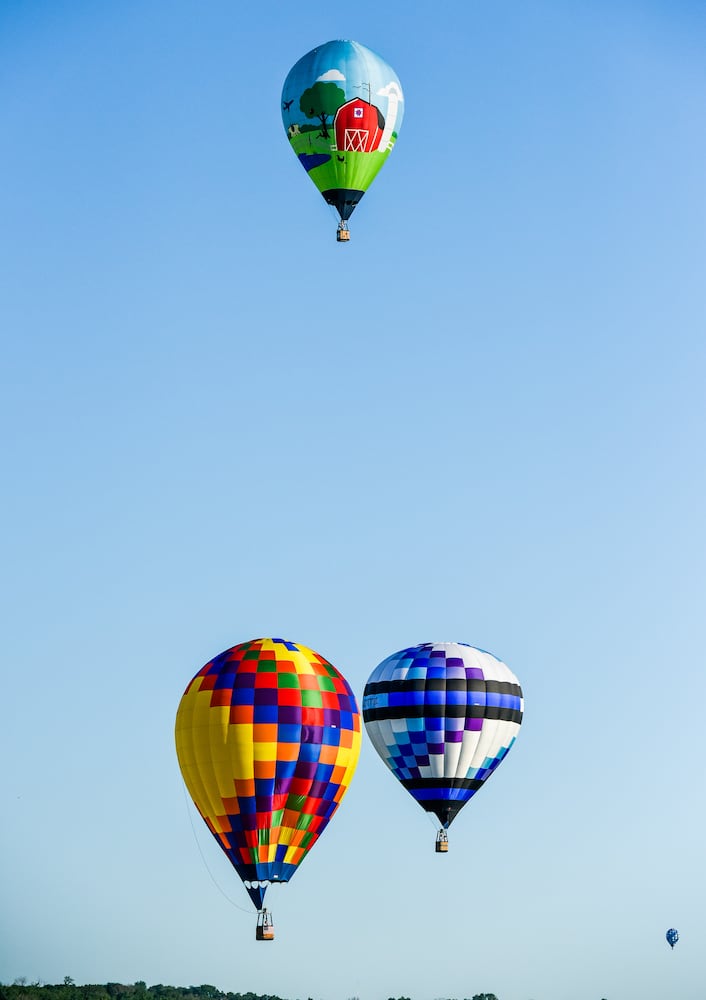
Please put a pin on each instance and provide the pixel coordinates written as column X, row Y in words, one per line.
column 442, row 716
column 267, row 735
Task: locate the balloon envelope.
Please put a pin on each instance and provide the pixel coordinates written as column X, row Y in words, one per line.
column 342, row 111
column 442, row 716
column 268, row 736
column 672, row 936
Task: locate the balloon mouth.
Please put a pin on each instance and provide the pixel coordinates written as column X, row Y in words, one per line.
column 344, row 200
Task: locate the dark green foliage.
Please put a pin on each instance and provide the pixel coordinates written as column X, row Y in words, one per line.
column 322, row 101
column 68, row 990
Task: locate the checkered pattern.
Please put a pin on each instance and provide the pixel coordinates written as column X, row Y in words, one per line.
column 442, row 716
column 268, row 736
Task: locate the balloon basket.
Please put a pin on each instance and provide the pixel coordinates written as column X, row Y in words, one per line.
column 265, row 929
column 343, row 234
column 442, row 842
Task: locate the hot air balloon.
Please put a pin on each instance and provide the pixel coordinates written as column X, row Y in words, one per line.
column 442, row 716
column 267, row 735
column 672, row 936
column 342, row 111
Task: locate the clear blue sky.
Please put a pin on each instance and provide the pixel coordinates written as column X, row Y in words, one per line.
column 481, row 421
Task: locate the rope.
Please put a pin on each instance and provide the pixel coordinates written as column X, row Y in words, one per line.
column 203, row 858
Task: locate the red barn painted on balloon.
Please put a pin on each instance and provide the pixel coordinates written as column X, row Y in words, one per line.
column 358, row 126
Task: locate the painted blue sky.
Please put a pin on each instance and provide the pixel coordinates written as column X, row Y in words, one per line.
column 353, row 68
column 480, row 421
column 338, row 62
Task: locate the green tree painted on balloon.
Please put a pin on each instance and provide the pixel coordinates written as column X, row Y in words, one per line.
column 322, row 101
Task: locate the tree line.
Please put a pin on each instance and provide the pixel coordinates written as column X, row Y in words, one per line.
column 69, row 990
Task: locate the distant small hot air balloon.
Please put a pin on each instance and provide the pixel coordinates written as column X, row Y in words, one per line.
column 268, row 735
column 442, row 716
column 342, row 109
column 672, row 936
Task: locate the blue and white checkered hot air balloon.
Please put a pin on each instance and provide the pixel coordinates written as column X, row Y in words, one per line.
column 442, row 716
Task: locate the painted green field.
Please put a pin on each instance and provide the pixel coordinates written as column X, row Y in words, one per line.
column 351, row 170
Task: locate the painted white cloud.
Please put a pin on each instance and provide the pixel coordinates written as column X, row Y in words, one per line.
column 390, row 89
column 331, row 74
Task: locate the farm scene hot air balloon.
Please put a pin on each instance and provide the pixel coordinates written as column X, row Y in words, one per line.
column 342, row 109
